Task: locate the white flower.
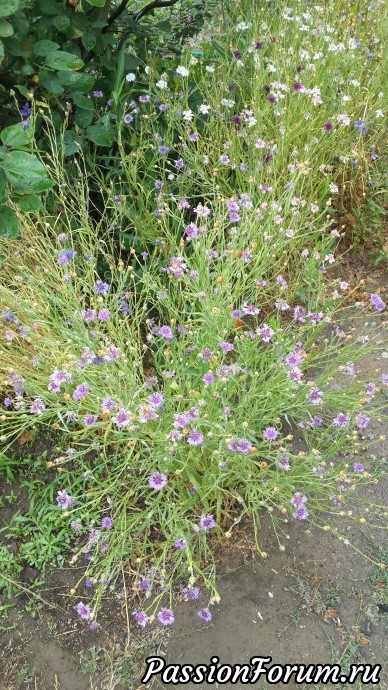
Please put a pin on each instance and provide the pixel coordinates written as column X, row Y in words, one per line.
column 204, row 109
column 188, row 115
column 147, row 69
column 131, row 77
column 183, row 71
column 209, row 68
column 379, row 113
column 333, row 188
column 161, row 84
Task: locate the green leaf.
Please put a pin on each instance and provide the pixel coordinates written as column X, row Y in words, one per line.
column 15, row 135
column 72, row 143
column 14, row 47
column 43, row 48
column 62, row 23
column 88, row 41
column 8, row 7
column 22, row 89
column 100, row 134
column 9, row 224
column 1, row 50
column 24, row 170
column 96, row 3
column 83, row 118
column 76, row 81
column 27, row 69
column 82, row 101
column 6, row 29
column 50, row 82
column 29, row 203
column 60, row 60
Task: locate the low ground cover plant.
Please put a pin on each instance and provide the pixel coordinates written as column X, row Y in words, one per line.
column 178, row 339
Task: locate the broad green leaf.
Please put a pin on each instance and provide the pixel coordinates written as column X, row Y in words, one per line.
column 62, row 22
column 83, row 118
column 61, row 60
column 82, row 101
column 15, row 135
column 27, row 69
column 22, row 168
column 50, row 82
column 100, row 134
column 14, row 47
column 72, row 143
column 43, row 48
column 9, row 224
column 29, row 203
column 96, row 3
column 76, row 81
column 6, row 29
column 48, row 7
column 1, row 50
column 88, row 41
column 8, row 7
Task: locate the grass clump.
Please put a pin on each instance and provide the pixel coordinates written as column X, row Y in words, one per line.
column 178, row 339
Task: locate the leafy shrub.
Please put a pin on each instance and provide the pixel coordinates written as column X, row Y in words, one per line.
column 63, row 53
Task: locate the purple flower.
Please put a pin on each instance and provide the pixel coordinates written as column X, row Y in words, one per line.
column 226, row 347
column 190, row 594
column 156, row 400
column 377, row 302
column 64, row 501
column 301, row 513
column 90, row 419
column 195, row 438
column 166, row 616
column 205, row 615
column 83, row 611
column 165, row 332
column 65, row 255
column 362, row 421
column 180, row 543
column 328, row 126
column 163, row 150
column 270, row 433
column 88, row 315
column 341, row 419
column 240, row 445
column 122, row 418
column 315, row 396
column 128, row 119
column 265, row 332
column 144, row 584
column 157, row 481
column 298, row 499
column 358, row 467
column 284, row 462
column 101, row 288
column 81, row 391
column 103, row 314
column 37, row 406
column 106, row 522
column 206, row 522
column 141, row 618
column 208, row 378
column 179, row 164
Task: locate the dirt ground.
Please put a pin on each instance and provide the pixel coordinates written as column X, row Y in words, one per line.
column 318, row 601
